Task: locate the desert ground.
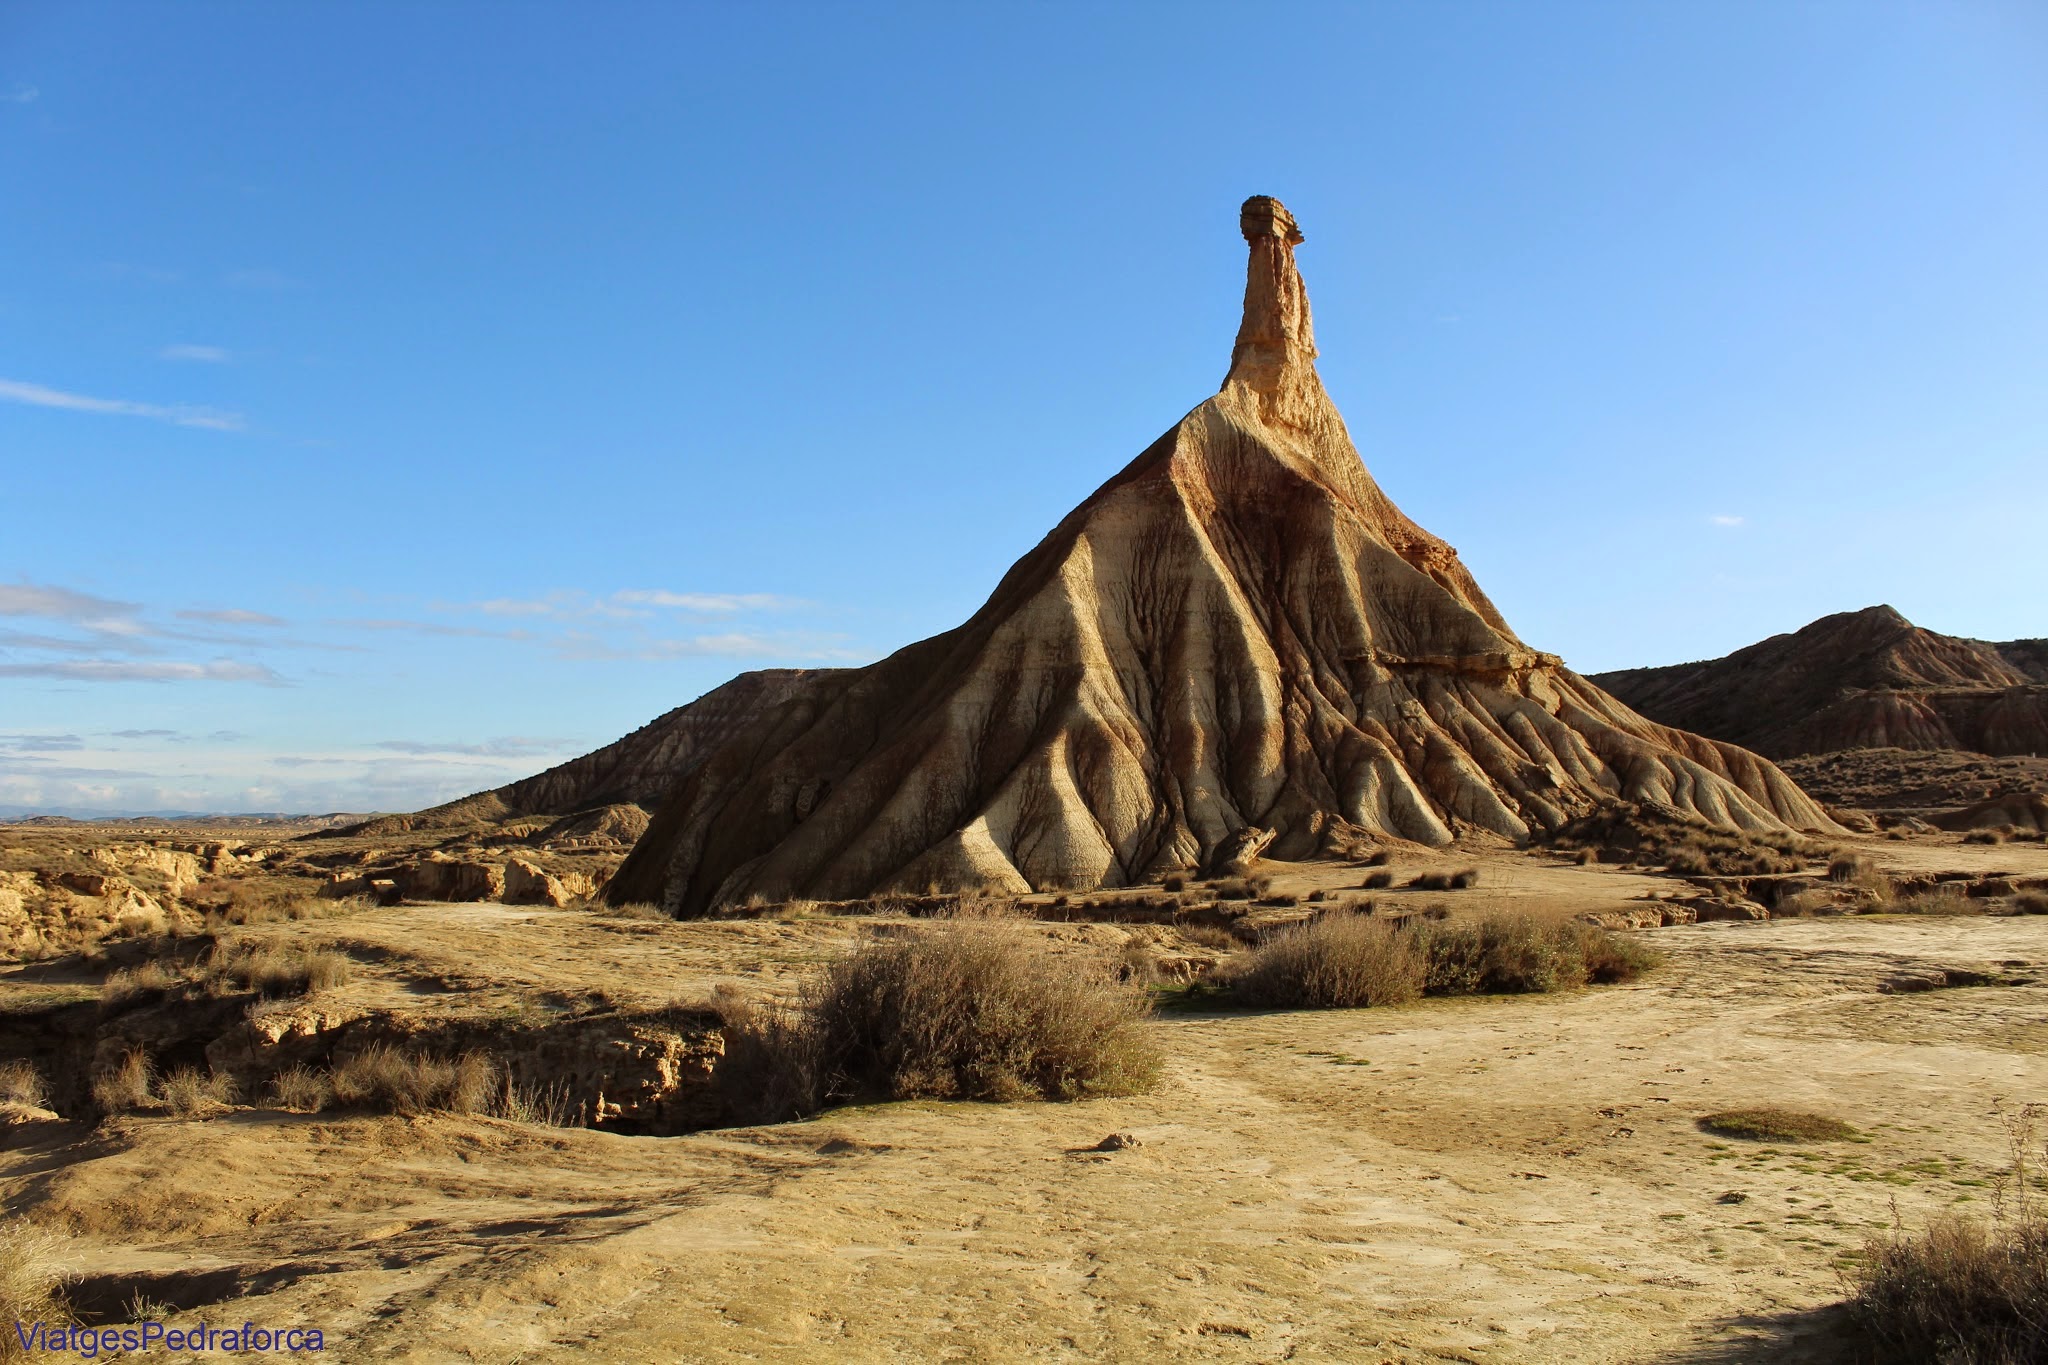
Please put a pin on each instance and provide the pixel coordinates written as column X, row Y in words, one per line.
column 1481, row 1179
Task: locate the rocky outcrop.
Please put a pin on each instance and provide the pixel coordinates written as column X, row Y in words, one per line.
column 61, row 911
column 1239, row 629
column 1867, row 679
column 439, row 877
column 528, row 883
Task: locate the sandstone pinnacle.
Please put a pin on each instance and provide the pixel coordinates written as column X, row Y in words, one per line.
column 1239, row 631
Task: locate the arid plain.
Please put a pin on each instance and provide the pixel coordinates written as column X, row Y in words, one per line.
column 1491, row 1178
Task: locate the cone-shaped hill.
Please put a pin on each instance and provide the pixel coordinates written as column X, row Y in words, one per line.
column 1237, row 630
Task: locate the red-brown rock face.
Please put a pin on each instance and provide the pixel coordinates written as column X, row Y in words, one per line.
column 1238, row 629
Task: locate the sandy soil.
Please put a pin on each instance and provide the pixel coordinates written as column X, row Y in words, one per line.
column 1479, row 1180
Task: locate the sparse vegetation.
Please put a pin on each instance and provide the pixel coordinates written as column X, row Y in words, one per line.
column 956, row 1013
column 128, row 1085
column 386, row 1077
column 31, row 1285
column 1771, row 1123
column 1680, row 843
column 274, row 968
column 1335, row 961
column 1376, row 881
column 1938, row 900
column 1964, row 1292
column 1445, row 881
column 1174, row 882
column 302, row 1090
column 21, row 1086
column 188, row 1093
column 1984, row 836
column 1345, row 960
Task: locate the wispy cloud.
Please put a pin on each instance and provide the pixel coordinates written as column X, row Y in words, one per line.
column 137, row 670
column 233, row 616
column 1724, row 519
column 19, row 94
column 145, row 734
column 203, row 355
column 181, row 415
column 40, row 744
column 65, row 604
column 508, row 746
column 430, row 628
column 730, row 644
column 569, row 604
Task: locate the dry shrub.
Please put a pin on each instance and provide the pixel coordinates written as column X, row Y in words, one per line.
column 960, row 1012
column 1335, row 961
column 1317, row 896
column 1984, row 836
column 1964, row 1292
column 31, row 1286
column 1376, row 881
column 1850, row 867
column 1683, row 844
column 1173, row 881
column 1940, row 900
column 302, row 1090
column 130, row 983
column 1344, row 960
column 274, row 969
column 21, row 1085
column 1282, row 900
column 385, row 1077
column 1771, row 1123
column 1208, row 936
column 188, row 1093
column 128, row 1085
column 642, row 910
column 1232, row 889
column 1379, row 859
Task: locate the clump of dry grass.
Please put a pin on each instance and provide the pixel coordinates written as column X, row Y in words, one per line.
column 302, row 1090
column 189, row 1094
column 1173, row 881
column 1940, row 900
column 1984, row 836
column 1445, row 881
column 274, row 968
column 1964, row 1292
column 1773, row 1123
column 128, row 1085
column 1849, row 867
column 132, row 983
column 962, row 1012
column 1376, row 881
column 31, row 1285
column 21, row 1086
column 385, row 1077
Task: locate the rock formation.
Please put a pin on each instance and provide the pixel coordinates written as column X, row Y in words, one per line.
column 1866, row 679
column 1239, row 629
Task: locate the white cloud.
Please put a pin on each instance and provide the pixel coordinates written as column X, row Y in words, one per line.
column 1724, row 519
column 204, row 355
column 135, row 670
column 508, row 746
column 712, row 602
column 233, row 616
column 181, row 415
column 63, row 604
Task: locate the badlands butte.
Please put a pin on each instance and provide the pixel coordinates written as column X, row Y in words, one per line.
column 551, row 1071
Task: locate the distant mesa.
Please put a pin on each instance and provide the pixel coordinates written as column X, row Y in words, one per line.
column 1866, row 679
column 1238, row 630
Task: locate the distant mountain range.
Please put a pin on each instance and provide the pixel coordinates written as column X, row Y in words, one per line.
column 1866, row 679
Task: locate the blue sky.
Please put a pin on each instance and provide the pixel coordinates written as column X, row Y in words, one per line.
column 397, row 399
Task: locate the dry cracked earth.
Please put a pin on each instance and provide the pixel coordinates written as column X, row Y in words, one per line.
column 1494, row 1179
